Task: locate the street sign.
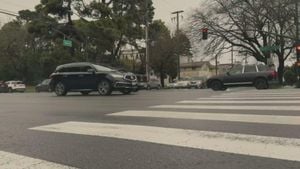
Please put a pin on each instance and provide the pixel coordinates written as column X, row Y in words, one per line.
column 269, row 48
column 68, row 43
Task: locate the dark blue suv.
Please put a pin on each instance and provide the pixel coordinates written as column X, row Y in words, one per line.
column 87, row 77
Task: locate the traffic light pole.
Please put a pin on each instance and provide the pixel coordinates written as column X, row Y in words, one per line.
column 147, row 42
column 297, row 23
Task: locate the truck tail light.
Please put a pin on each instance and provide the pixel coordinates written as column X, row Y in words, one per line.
column 274, row 74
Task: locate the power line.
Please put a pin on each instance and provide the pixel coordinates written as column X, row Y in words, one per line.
column 8, row 13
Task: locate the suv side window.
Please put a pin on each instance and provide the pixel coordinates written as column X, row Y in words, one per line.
column 238, row 69
column 85, row 68
column 262, row 68
column 250, row 69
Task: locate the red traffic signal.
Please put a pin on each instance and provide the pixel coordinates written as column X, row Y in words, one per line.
column 204, row 33
column 298, row 48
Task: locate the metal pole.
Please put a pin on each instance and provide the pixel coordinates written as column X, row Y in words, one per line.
column 297, row 19
column 216, row 64
column 147, row 42
column 297, row 36
column 231, row 55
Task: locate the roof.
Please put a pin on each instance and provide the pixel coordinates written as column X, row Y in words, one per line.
column 74, row 64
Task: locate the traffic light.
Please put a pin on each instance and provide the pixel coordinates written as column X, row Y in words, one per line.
column 298, row 51
column 204, row 33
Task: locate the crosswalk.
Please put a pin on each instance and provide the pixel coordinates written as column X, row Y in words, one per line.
column 15, row 161
column 247, row 107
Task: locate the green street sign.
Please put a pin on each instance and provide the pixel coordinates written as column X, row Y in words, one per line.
column 68, row 43
column 269, row 48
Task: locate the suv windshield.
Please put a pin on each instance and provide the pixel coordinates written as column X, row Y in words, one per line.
column 102, row 68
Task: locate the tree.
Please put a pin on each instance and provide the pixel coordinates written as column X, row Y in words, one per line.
column 164, row 49
column 17, row 58
column 103, row 28
column 250, row 26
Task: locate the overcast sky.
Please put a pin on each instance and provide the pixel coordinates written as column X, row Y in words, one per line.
column 163, row 8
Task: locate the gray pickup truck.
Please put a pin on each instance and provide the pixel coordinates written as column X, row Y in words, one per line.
column 259, row 76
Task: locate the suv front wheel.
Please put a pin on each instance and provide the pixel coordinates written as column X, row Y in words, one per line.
column 60, row 89
column 104, row 87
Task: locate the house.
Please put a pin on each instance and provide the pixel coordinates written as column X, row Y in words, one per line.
column 196, row 69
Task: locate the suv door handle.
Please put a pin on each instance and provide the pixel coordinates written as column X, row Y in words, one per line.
column 81, row 75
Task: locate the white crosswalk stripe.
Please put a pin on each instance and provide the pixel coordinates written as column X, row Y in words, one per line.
column 14, row 161
column 256, row 95
column 261, row 146
column 251, row 98
column 249, row 118
column 240, row 102
column 228, row 107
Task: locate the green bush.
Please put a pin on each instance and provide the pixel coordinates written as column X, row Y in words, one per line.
column 290, row 77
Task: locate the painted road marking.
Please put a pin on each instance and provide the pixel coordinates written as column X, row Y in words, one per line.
column 250, row 98
column 256, row 95
column 252, row 145
column 248, row 118
column 14, row 161
column 240, row 102
column 229, row 107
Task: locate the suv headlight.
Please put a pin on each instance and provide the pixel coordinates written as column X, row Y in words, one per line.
column 130, row 77
column 117, row 76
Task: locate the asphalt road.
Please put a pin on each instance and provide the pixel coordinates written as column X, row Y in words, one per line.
column 168, row 129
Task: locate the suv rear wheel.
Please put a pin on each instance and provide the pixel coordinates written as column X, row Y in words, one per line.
column 60, row 89
column 104, row 87
column 216, row 85
column 261, row 84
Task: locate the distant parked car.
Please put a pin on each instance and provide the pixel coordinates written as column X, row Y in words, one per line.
column 142, row 81
column 171, row 85
column 3, row 87
column 43, row 86
column 198, row 82
column 259, row 76
column 153, row 84
column 183, row 83
column 16, row 86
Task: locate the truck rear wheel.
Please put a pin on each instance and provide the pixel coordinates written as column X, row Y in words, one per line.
column 261, row 83
column 216, row 85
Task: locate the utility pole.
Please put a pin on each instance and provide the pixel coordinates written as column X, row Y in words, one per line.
column 147, row 41
column 297, row 23
column 177, row 30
